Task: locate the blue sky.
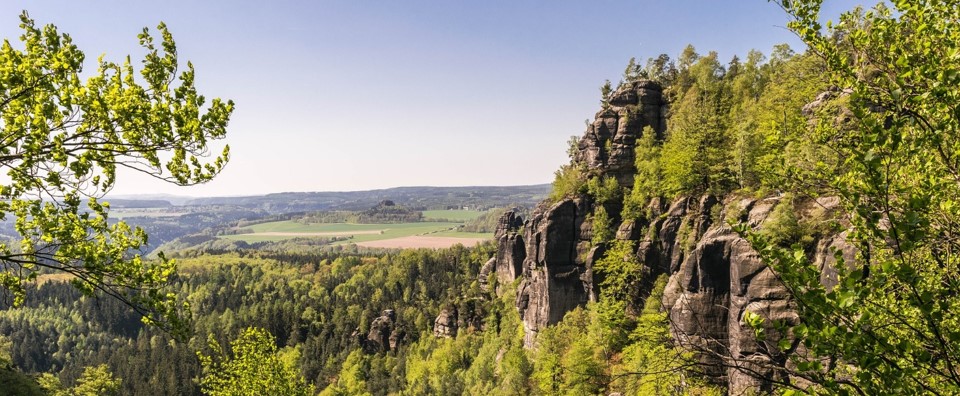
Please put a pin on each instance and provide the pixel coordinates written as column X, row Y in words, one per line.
column 353, row 95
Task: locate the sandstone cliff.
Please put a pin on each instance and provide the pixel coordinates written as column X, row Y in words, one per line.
column 715, row 276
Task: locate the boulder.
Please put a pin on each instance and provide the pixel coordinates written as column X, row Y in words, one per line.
column 446, row 323
column 381, row 331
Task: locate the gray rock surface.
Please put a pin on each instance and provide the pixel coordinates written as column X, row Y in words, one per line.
column 384, row 334
column 511, row 250
column 608, row 145
column 552, row 284
column 446, row 323
column 714, row 275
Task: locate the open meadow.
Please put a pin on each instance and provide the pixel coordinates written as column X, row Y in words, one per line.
column 457, row 215
column 429, row 234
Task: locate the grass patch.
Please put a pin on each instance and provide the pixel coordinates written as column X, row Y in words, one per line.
column 458, row 215
column 461, row 234
column 364, row 232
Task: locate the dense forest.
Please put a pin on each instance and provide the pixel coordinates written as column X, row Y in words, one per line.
column 865, row 117
column 323, row 309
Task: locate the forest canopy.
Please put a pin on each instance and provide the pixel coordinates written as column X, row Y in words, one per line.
column 867, row 116
column 65, row 137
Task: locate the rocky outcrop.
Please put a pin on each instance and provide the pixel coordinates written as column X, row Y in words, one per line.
column 554, row 250
column 607, row 146
column 466, row 316
column 511, row 249
column 483, row 278
column 553, row 273
column 714, row 275
column 384, row 335
column 446, row 323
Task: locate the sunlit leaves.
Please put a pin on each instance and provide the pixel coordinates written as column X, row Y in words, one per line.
column 62, row 140
column 888, row 326
column 252, row 366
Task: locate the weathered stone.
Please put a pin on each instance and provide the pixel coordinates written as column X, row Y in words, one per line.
column 826, row 257
column 628, row 231
column 509, row 222
column 484, row 275
column 511, row 251
column 396, row 338
column 446, row 323
column 715, row 276
column 671, row 248
column 381, row 330
column 551, row 284
column 760, row 210
column 609, row 144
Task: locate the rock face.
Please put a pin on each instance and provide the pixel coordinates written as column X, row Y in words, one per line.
column 511, row 250
column 553, row 273
column 715, row 276
column 554, row 248
column 384, row 335
column 446, row 324
column 608, row 144
column 466, row 316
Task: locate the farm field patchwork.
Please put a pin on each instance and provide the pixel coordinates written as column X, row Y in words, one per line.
column 420, row 241
column 441, row 233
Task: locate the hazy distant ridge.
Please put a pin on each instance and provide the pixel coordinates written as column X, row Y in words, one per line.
column 420, row 196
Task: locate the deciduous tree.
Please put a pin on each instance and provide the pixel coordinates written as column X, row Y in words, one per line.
column 890, row 325
column 63, row 136
column 253, row 366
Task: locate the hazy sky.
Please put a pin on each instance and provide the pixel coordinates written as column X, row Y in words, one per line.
column 353, row 95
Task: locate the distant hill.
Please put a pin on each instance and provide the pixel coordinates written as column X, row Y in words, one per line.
column 422, row 198
column 138, row 203
column 172, row 199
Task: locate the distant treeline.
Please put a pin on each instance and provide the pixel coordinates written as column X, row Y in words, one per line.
column 378, row 215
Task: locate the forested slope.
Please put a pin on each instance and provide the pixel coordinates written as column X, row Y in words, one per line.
column 329, row 311
column 767, row 224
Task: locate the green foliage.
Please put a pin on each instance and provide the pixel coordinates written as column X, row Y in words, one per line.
column 489, row 362
column 309, row 301
column 601, row 349
column 651, row 364
column 647, row 182
column 65, row 138
column 568, row 181
column 564, row 359
column 486, row 222
column 605, row 91
column 13, row 382
column 696, row 153
column 620, row 273
column 96, row 381
column 603, row 190
column 252, row 367
column 889, row 326
column 782, row 226
column 353, row 376
column 602, row 225
column 380, row 214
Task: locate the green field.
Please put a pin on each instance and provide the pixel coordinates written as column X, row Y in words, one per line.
column 365, row 232
column 128, row 213
column 460, row 234
column 453, row 215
